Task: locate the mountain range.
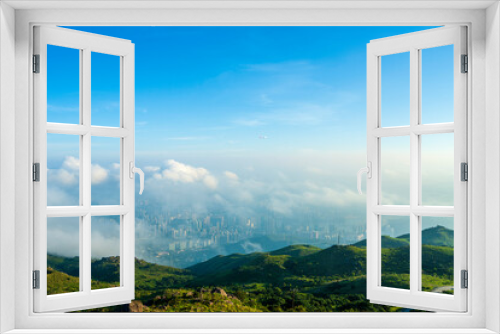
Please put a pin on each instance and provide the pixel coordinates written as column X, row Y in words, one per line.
column 269, row 281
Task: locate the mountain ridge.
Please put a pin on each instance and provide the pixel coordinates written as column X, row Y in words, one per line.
column 294, row 278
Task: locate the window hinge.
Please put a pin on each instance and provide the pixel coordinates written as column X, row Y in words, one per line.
column 465, row 279
column 465, row 64
column 36, row 172
column 36, row 63
column 36, row 279
column 464, row 171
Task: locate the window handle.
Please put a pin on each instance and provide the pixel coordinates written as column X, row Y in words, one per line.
column 368, row 171
column 139, row 171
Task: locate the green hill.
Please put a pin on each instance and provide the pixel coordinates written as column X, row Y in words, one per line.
column 59, row 282
column 438, row 236
column 151, row 277
column 293, row 278
column 387, row 242
column 222, row 263
column 296, row 250
column 434, row 236
column 336, row 261
column 280, row 265
column 240, row 269
column 68, row 265
column 436, row 260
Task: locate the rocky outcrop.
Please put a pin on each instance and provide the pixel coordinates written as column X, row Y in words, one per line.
column 220, row 291
column 136, row 306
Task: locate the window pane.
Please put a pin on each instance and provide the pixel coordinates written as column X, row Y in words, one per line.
column 437, row 84
column 395, row 89
column 437, row 169
column 63, row 85
column 395, row 171
column 105, row 271
column 395, row 251
column 63, row 170
column 105, row 90
column 63, row 251
column 437, row 254
column 105, row 171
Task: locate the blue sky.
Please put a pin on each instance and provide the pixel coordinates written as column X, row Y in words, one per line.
column 279, row 110
column 223, row 87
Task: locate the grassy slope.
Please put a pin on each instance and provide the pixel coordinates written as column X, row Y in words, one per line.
column 60, row 282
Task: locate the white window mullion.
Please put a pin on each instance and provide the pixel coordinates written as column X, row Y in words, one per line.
column 81, row 252
column 460, row 155
column 420, row 129
column 373, row 246
column 59, row 129
column 414, row 170
column 405, row 210
column 85, row 161
column 127, row 228
column 86, row 254
column 86, row 167
column 123, row 176
column 40, row 156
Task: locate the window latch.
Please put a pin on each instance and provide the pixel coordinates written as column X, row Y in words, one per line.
column 368, row 171
column 132, row 171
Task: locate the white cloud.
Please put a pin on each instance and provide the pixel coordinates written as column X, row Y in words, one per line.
column 57, row 196
column 315, row 170
column 99, row 174
column 106, row 235
column 61, row 239
column 151, row 169
column 210, row 181
column 179, row 172
column 116, row 165
column 232, row 176
column 65, row 177
column 71, row 163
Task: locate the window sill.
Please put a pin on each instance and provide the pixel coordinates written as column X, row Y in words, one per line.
column 251, row 331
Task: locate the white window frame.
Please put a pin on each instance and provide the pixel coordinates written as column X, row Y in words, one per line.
column 484, row 36
column 414, row 43
column 85, row 43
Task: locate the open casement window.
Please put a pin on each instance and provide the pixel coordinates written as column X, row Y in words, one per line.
column 83, row 203
column 416, row 195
